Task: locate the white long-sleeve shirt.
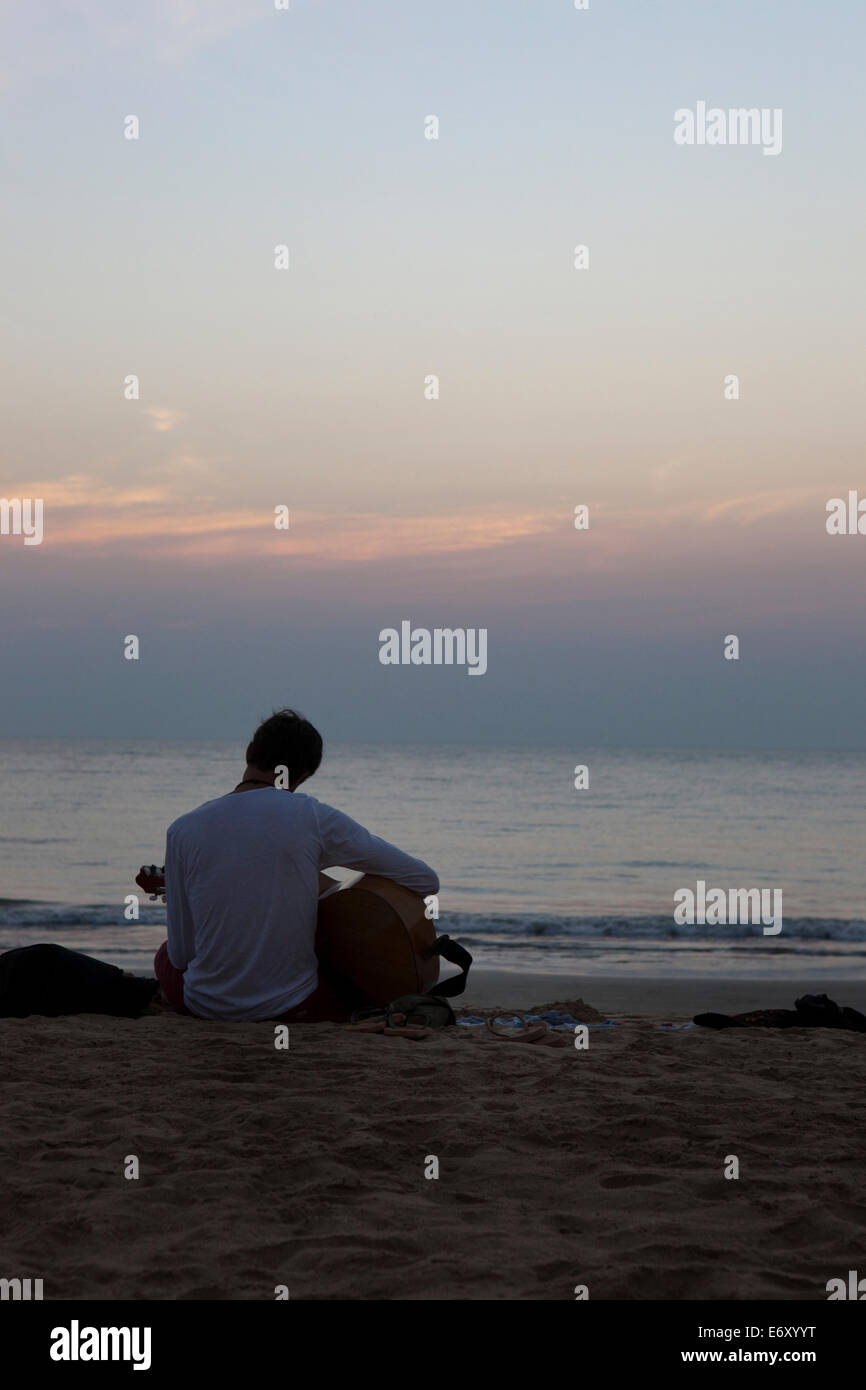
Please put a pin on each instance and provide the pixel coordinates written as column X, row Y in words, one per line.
column 242, row 886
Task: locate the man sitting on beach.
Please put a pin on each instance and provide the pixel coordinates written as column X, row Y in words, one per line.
column 242, row 881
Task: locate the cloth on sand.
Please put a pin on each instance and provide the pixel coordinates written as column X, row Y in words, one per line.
column 52, row 981
column 539, row 1033
column 562, row 1022
column 811, row 1011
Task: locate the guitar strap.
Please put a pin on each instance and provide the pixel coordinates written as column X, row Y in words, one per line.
column 457, row 955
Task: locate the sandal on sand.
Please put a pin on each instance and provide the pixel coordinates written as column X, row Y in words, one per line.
column 537, row 1033
column 381, row 1025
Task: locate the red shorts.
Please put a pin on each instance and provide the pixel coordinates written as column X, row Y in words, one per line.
column 322, row 1006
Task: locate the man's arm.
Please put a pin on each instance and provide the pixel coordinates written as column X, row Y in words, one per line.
column 179, row 928
column 347, row 845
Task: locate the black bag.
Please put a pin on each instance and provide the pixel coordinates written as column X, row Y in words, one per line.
column 810, row 1011
column 52, row 981
column 420, row 1011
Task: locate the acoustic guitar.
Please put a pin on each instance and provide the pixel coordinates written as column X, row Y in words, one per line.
column 374, row 935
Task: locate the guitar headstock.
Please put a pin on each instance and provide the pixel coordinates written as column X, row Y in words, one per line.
column 152, row 880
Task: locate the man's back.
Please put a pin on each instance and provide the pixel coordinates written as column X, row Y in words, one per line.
column 242, row 891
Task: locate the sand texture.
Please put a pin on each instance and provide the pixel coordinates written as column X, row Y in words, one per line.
column 306, row 1167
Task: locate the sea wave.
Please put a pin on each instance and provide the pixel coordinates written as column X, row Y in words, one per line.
column 647, row 927
column 26, row 913
column 540, row 929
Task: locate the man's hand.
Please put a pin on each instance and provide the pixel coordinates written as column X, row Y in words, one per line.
column 151, row 879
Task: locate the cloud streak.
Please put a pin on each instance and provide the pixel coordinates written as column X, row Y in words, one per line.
column 84, row 512
column 164, row 419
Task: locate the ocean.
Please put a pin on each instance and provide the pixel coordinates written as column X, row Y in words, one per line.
column 535, row 874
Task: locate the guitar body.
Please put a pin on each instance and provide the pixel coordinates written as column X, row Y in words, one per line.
column 374, row 935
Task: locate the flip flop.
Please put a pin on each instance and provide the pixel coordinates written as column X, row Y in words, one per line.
column 538, row 1033
column 379, row 1025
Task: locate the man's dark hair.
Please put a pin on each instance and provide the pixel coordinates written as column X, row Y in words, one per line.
column 289, row 740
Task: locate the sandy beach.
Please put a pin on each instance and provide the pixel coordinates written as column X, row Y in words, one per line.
column 306, row 1168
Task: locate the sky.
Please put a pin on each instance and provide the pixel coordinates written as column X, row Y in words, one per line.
column 409, row 258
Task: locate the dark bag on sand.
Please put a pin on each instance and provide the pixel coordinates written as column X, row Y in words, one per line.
column 51, row 980
column 812, row 1011
column 419, row 1011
